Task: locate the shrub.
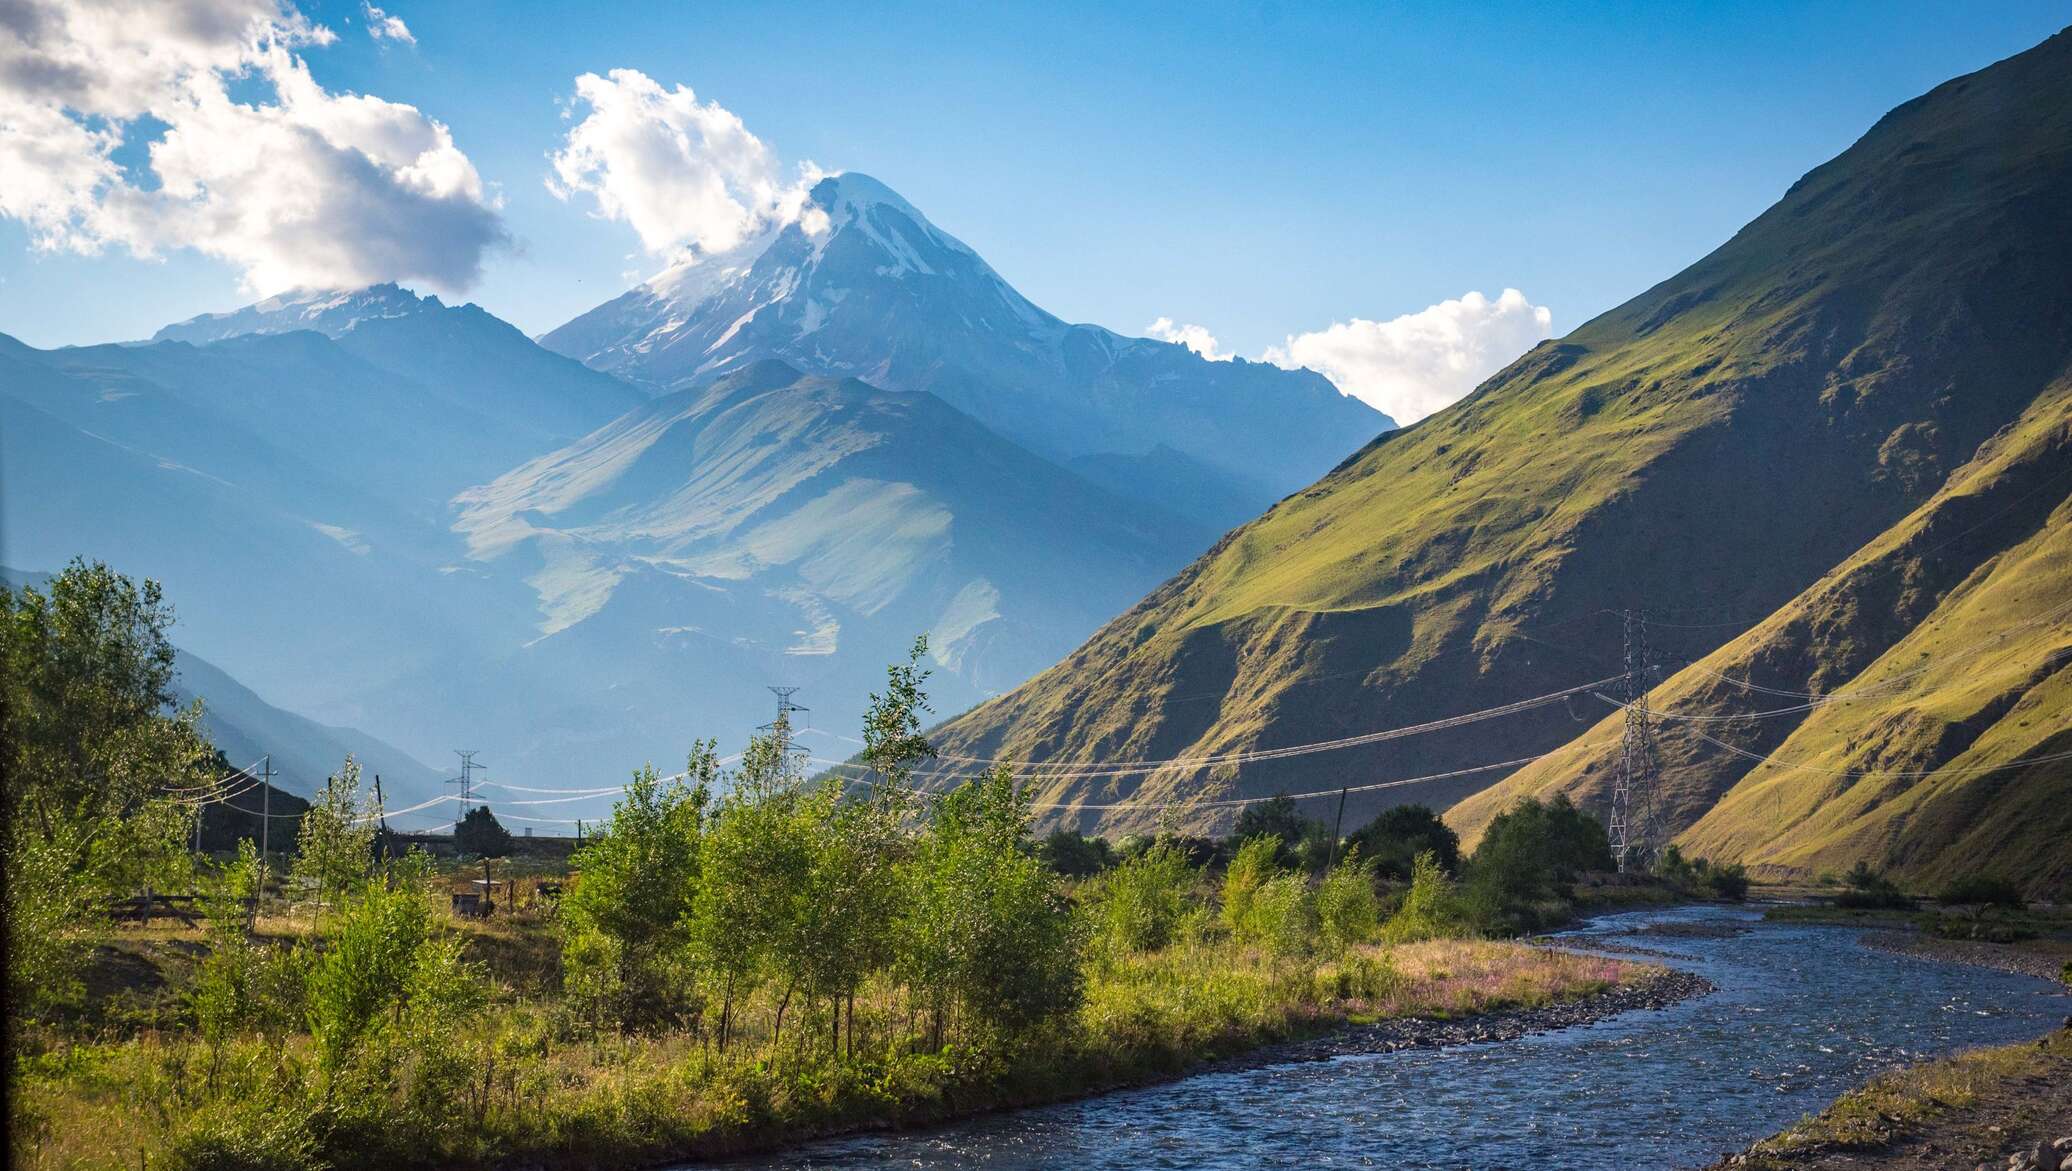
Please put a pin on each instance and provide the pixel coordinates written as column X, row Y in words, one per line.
column 1348, row 910
column 1256, row 862
column 1139, row 905
column 1393, row 840
column 1076, row 855
column 1973, row 890
column 1432, row 909
column 1282, row 916
column 1298, row 839
column 482, row 835
column 1867, row 889
column 1519, row 876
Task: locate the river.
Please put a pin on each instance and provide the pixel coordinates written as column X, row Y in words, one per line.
column 1801, row 1014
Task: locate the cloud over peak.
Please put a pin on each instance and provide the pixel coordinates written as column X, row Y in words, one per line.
column 297, row 187
column 1194, row 337
column 684, row 174
column 1418, row 363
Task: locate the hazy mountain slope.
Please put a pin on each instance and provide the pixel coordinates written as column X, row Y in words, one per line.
column 1938, row 650
column 865, row 286
column 771, row 527
column 290, row 477
column 457, row 356
column 304, row 751
column 1722, row 440
column 246, row 727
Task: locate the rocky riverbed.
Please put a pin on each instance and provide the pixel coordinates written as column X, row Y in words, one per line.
column 2042, row 962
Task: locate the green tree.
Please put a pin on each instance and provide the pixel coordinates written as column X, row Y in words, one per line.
column 334, row 849
column 1303, row 841
column 480, row 834
column 627, row 919
column 1432, row 908
column 1348, row 909
column 987, row 927
column 754, row 873
column 1076, row 855
column 1528, row 856
column 93, row 761
column 1394, row 839
column 1256, row 863
column 1139, row 905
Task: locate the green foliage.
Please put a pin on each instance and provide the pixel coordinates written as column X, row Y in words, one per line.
column 1700, row 878
column 366, row 965
column 1394, row 839
column 334, row 850
column 1431, row 910
column 892, row 740
column 1348, row 908
column 480, row 834
column 1254, row 865
column 1866, row 889
column 1980, row 890
column 88, row 756
column 1140, row 904
column 1518, row 879
column 1301, row 841
column 1076, row 855
column 986, row 926
column 627, row 919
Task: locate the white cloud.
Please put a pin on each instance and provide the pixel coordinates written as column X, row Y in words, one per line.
column 1420, row 362
column 301, row 187
column 384, row 26
column 1194, row 337
column 684, row 174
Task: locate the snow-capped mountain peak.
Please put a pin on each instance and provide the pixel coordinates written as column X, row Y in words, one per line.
column 332, row 312
column 861, row 284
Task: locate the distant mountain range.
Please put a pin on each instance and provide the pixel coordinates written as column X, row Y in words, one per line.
column 397, row 515
column 1830, row 457
column 879, row 293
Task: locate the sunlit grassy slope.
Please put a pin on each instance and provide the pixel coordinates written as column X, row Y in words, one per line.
column 1721, row 441
column 1943, row 649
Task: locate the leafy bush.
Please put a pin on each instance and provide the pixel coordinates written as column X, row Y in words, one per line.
column 1393, row 840
column 1520, row 875
column 1299, row 841
column 1698, row 877
column 1255, row 864
column 1867, row 889
column 481, row 835
column 1076, row 855
column 1140, row 905
column 1989, row 890
column 1348, row 909
column 1432, row 909
column 627, row 919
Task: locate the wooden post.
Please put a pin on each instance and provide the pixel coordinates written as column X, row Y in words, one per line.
column 1337, row 824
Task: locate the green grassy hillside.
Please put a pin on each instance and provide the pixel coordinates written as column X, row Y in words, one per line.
column 1941, row 650
column 1721, row 441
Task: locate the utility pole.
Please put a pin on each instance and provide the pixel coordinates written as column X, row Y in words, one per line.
column 381, row 839
column 1632, row 827
column 265, row 824
column 466, row 780
column 1337, row 824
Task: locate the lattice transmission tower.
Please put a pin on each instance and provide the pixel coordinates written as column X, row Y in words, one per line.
column 1634, row 824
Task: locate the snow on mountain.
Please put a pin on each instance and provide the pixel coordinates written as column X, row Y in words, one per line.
column 862, row 285
column 331, row 313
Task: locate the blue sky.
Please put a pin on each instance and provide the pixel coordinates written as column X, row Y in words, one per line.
column 1260, row 169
